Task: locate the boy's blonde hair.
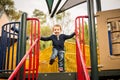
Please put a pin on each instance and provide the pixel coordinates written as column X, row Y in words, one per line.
column 57, row 25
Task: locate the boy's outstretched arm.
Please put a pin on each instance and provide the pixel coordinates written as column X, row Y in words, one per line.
column 69, row 36
column 45, row 38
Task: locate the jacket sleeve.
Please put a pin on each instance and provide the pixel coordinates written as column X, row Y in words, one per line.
column 45, row 38
column 69, row 36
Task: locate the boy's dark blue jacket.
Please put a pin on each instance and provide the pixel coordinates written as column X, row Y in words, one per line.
column 58, row 42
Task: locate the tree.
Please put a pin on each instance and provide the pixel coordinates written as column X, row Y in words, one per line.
column 8, row 7
column 40, row 15
column 64, row 19
column 45, row 31
column 86, row 33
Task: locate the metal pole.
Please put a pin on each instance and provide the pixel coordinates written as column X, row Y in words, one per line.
column 93, row 47
column 22, row 37
column 58, row 3
column 98, row 5
column 22, row 42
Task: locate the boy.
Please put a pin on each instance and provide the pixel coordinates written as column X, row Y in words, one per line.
column 58, row 40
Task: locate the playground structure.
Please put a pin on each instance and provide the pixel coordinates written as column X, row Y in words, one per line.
column 34, row 64
column 108, row 36
column 110, row 65
column 11, row 56
column 33, row 53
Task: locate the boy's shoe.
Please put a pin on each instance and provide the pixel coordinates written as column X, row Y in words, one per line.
column 61, row 69
column 51, row 61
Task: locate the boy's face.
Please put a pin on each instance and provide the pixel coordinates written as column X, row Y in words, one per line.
column 56, row 30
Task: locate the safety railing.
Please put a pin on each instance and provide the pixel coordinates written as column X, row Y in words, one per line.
column 82, row 73
column 8, row 47
column 15, row 72
column 34, row 55
column 30, row 62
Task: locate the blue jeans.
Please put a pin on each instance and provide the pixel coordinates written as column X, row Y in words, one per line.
column 60, row 55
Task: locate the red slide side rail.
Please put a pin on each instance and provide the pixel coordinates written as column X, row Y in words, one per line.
column 22, row 61
column 82, row 73
column 32, row 55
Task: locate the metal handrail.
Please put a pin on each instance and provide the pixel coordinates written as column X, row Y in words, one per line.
column 82, row 72
column 33, row 53
column 22, row 61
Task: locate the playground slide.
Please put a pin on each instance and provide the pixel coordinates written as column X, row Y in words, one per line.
column 70, row 58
